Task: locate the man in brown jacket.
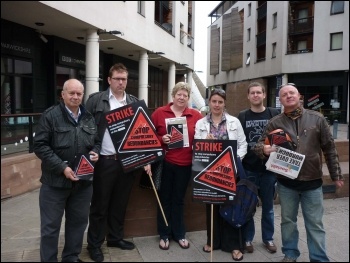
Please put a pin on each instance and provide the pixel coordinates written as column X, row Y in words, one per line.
column 309, row 130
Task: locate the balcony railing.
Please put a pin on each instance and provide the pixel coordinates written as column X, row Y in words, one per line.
column 262, row 10
column 261, row 39
column 17, row 132
column 301, row 26
column 298, row 51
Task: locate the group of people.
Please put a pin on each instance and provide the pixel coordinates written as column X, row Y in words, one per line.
column 68, row 130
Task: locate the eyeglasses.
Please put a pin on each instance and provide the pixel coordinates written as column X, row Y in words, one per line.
column 120, row 79
column 288, row 84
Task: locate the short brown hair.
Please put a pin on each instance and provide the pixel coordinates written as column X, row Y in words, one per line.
column 119, row 67
column 256, row 84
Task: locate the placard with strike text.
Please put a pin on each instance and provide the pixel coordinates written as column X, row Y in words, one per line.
column 214, row 171
column 134, row 136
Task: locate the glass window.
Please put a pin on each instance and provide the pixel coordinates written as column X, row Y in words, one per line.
column 23, row 67
column 337, row 7
column 303, row 13
column 273, row 50
column 16, row 86
column 337, row 41
column 163, row 14
column 248, row 34
column 302, row 45
column 248, row 59
column 182, row 33
column 274, row 17
column 141, row 7
column 249, row 9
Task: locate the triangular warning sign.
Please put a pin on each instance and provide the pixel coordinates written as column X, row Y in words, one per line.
column 84, row 167
column 176, row 135
column 141, row 134
column 278, row 139
column 221, row 173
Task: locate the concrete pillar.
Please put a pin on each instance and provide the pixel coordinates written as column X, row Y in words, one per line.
column 189, row 80
column 171, row 80
column 92, row 63
column 284, row 81
column 143, row 76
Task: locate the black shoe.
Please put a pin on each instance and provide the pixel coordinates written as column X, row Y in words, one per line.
column 122, row 244
column 96, row 254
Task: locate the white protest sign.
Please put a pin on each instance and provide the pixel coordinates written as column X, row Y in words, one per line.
column 285, row 162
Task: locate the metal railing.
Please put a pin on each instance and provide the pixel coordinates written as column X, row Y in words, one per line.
column 17, row 132
column 302, row 25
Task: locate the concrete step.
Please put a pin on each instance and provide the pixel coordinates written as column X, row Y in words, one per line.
column 329, row 189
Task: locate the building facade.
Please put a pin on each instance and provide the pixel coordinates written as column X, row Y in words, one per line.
column 44, row 43
column 301, row 42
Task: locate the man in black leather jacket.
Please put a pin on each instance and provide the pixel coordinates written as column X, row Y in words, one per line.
column 64, row 133
column 112, row 186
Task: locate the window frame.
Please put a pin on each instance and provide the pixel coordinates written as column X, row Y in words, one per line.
column 331, row 41
column 247, row 63
column 274, row 46
column 332, row 12
column 141, row 8
column 274, row 20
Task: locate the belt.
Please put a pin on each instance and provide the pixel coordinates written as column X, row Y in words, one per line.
column 110, row 157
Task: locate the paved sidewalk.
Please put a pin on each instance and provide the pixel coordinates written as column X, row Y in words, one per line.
column 20, row 232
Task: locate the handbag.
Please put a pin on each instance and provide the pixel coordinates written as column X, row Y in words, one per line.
column 157, row 168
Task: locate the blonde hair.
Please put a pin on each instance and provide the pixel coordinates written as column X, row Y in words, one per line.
column 181, row 86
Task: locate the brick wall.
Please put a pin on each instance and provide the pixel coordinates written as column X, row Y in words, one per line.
column 19, row 174
column 236, row 96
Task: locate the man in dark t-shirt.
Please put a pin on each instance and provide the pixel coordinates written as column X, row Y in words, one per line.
column 253, row 121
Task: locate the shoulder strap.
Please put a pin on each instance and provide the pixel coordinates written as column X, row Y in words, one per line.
column 242, row 117
column 240, row 169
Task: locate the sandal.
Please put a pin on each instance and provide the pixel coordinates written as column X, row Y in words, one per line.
column 207, row 249
column 182, row 243
column 237, row 255
column 164, row 244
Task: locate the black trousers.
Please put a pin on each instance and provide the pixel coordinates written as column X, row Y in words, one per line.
column 111, row 191
column 53, row 203
column 225, row 236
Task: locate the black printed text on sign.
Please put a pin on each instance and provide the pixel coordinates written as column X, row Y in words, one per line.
column 214, row 171
column 134, row 136
column 83, row 167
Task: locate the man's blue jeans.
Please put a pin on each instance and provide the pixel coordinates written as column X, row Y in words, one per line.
column 312, row 208
column 265, row 181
